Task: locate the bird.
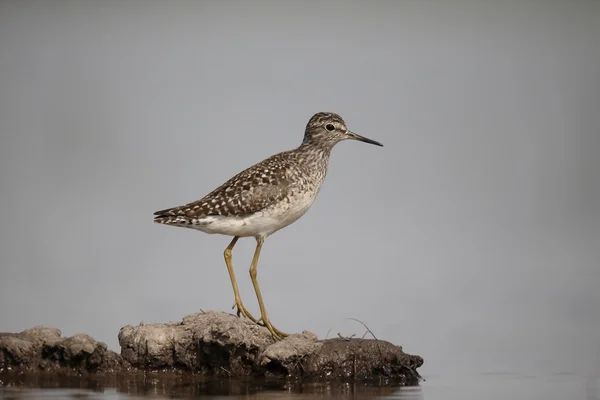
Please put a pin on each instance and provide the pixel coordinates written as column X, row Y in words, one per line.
column 265, row 198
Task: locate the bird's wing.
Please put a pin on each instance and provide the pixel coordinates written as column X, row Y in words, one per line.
column 250, row 191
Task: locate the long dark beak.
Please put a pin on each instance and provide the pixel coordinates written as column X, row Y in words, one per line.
column 356, row 136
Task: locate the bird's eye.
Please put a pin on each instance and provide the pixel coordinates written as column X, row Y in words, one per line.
column 329, row 127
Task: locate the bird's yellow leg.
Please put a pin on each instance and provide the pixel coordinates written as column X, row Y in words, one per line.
column 277, row 334
column 238, row 300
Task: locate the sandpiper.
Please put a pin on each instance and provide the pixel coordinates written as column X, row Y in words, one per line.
column 265, row 198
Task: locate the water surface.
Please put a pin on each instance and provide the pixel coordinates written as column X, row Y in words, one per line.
column 491, row 386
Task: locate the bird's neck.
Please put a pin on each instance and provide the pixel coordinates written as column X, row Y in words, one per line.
column 315, row 156
column 315, row 153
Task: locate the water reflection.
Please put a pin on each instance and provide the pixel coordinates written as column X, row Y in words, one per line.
column 40, row 386
column 495, row 385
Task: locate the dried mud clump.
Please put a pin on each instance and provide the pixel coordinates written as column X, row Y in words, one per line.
column 42, row 349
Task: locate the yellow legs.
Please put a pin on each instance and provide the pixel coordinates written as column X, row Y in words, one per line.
column 277, row 334
column 238, row 300
column 264, row 319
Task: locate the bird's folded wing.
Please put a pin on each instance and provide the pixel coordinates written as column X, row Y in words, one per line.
column 250, row 191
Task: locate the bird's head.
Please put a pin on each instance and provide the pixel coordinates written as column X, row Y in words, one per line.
column 327, row 128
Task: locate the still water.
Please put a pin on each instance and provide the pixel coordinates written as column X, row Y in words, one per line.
column 490, row 386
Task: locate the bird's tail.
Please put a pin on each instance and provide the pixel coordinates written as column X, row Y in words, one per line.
column 169, row 216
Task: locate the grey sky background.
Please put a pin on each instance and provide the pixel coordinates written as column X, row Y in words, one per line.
column 472, row 238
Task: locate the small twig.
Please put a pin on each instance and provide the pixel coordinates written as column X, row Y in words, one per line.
column 326, row 336
column 366, row 327
column 363, row 324
column 346, row 337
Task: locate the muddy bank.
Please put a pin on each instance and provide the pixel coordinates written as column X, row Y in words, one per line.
column 213, row 344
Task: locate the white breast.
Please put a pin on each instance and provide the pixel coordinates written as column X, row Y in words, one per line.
column 262, row 223
column 286, row 214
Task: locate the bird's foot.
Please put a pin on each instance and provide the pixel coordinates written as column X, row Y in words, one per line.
column 277, row 334
column 241, row 310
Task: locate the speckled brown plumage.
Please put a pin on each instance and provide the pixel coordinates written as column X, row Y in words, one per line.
column 248, row 192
